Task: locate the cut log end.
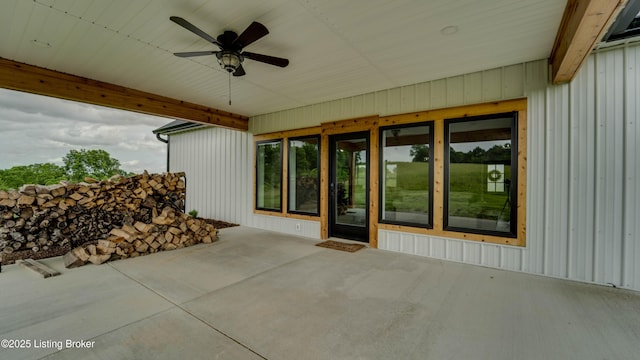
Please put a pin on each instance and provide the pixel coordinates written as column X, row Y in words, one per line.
column 101, row 220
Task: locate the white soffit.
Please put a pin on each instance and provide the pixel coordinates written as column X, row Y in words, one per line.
column 336, row 48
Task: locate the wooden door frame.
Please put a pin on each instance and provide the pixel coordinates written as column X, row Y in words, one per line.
column 347, row 230
column 373, row 124
column 370, row 125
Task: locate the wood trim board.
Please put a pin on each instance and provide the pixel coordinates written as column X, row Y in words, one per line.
column 37, row 80
column 372, row 124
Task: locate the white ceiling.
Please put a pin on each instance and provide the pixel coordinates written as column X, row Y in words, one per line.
column 336, row 48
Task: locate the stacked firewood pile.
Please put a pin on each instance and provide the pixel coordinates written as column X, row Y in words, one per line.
column 100, row 221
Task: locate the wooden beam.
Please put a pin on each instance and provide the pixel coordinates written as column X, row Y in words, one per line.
column 38, row 267
column 37, row 80
column 584, row 23
column 374, row 171
column 405, row 140
column 481, row 135
column 324, row 187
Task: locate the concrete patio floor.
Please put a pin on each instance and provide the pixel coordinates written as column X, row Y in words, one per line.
column 256, row 294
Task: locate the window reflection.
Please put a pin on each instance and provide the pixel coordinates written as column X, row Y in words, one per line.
column 269, row 175
column 479, row 175
column 405, row 175
column 351, row 182
column 304, row 177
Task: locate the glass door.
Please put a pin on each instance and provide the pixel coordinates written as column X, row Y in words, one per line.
column 349, row 186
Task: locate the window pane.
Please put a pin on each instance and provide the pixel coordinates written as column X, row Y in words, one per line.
column 268, row 175
column 304, row 174
column 406, row 159
column 479, row 175
column 350, row 205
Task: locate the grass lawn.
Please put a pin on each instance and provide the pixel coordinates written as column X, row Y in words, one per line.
column 469, row 196
column 468, row 185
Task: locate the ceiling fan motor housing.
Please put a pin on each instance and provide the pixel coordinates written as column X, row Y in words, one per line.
column 231, row 56
column 229, row 60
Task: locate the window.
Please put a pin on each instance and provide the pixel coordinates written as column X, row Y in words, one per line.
column 457, row 172
column 406, row 175
column 627, row 24
column 304, row 175
column 480, row 186
column 269, row 175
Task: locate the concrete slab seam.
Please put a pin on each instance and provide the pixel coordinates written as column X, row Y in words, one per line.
column 252, row 276
column 187, row 312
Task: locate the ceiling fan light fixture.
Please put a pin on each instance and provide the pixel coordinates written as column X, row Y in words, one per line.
column 231, row 54
column 229, row 60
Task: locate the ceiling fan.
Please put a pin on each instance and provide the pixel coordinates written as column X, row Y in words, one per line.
column 230, row 56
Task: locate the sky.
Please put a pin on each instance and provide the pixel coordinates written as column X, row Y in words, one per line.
column 39, row 129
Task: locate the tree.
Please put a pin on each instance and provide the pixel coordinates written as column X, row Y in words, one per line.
column 419, row 152
column 500, row 153
column 41, row 174
column 97, row 164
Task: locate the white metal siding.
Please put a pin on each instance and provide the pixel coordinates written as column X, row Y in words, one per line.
column 583, row 194
column 496, row 84
column 219, row 169
column 217, row 163
column 631, row 234
column 583, row 201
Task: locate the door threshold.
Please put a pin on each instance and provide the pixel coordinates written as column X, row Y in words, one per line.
column 349, row 241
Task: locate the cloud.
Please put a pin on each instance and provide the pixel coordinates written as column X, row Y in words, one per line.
column 37, row 129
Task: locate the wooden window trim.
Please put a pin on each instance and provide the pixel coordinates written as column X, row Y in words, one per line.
column 513, row 116
column 373, row 124
column 438, row 116
column 381, row 129
column 299, row 138
column 284, row 185
column 255, row 175
column 361, row 124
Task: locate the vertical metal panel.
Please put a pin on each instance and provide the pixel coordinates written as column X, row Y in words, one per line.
column 631, row 249
column 438, row 248
column 536, row 84
column 407, row 243
column 583, row 180
column 369, row 101
column 609, row 161
column 492, row 85
column 380, row 102
column 408, row 94
column 216, row 176
column 489, row 85
column 473, row 88
column 472, row 253
column 455, row 251
column 439, row 93
column 581, row 170
column 513, row 81
column 511, row 258
column 421, row 246
column 556, row 181
column 423, row 95
column 455, row 91
column 394, row 101
column 491, row 255
column 583, row 208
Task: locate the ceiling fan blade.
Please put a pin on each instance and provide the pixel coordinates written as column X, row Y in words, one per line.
column 189, row 26
column 195, row 53
column 239, row 71
column 272, row 60
column 252, row 33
